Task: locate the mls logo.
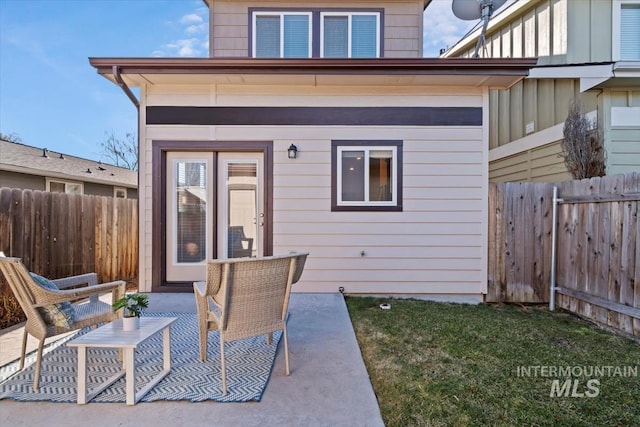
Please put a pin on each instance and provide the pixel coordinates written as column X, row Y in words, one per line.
column 571, row 388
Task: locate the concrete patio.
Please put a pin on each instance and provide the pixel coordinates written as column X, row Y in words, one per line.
column 328, row 385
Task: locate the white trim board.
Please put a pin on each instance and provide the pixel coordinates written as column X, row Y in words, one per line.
column 589, row 75
column 625, row 116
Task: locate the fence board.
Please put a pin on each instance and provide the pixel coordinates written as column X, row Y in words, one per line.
column 615, row 274
column 598, row 252
column 493, row 286
column 59, row 235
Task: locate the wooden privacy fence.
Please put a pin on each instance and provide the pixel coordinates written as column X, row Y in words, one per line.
column 59, row 235
column 598, row 247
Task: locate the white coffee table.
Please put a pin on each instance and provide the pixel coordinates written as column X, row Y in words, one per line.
column 111, row 335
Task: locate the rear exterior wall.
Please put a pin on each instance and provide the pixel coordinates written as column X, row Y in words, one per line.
column 435, row 246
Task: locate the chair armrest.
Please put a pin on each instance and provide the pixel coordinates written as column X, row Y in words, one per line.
column 200, row 289
column 89, row 279
column 202, row 306
column 117, row 287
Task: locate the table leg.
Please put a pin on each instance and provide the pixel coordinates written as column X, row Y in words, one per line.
column 166, row 349
column 130, row 376
column 82, row 375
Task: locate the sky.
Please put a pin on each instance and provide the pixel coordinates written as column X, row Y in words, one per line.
column 51, row 97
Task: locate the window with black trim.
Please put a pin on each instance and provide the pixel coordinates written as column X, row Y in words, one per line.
column 324, row 33
column 366, row 175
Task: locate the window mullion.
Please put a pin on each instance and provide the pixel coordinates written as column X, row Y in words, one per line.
column 393, row 175
column 339, row 175
column 378, row 36
column 282, row 37
column 349, row 30
column 366, row 175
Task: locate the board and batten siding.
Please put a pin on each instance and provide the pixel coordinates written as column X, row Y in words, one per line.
column 435, row 246
column 555, row 31
column 539, row 103
column 402, row 24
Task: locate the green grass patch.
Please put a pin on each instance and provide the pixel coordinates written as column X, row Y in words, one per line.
column 438, row 364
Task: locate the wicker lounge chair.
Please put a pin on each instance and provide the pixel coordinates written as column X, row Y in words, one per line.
column 246, row 297
column 82, row 304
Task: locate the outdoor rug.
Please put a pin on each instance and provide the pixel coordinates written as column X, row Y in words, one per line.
column 249, row 363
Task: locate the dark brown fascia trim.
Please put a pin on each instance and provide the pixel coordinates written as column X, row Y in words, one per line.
column 314, row 116
column 425, row 3
column 373, row 66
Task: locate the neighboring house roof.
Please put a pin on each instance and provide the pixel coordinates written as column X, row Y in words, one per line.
column 26, row 159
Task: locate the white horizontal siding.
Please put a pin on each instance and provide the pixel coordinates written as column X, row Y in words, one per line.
column 445, row 289
column 436, row 217
column 402, row 232
column 290, row 242
column 424, row 253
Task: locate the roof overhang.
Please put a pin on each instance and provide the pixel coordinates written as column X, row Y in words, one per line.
column 493, row 73
column 613, row 74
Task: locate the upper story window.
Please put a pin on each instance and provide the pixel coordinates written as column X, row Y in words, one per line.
column 281, row 35
column 58, row 186
column 366, row 175
column 626, row 30
column 316, row 33
column 350, row 35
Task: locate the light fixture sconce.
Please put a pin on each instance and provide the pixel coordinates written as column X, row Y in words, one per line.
column 292, row 152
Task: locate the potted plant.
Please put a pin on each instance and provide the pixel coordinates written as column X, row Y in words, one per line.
column 133, row 306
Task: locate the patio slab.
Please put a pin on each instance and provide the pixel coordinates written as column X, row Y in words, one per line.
column 328, row 385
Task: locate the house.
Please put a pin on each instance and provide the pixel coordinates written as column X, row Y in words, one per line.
column 588, row 50
column 316, row 128
column 26, row 167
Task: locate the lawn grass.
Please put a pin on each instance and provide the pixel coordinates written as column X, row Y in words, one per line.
column 439, row 364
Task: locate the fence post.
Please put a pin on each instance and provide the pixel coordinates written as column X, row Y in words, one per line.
column 554, row 241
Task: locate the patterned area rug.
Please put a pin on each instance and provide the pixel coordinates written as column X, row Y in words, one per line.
column 249, row 364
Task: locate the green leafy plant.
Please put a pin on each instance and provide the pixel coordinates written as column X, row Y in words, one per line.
column 133, row 304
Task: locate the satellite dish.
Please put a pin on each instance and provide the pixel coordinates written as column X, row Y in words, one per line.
column 469, row 10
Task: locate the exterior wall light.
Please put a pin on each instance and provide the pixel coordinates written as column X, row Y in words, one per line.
column 292, row 152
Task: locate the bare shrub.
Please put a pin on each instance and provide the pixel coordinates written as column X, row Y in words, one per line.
column 582, row 146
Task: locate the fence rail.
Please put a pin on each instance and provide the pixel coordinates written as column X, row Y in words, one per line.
column 598, row 247
column 58, row 234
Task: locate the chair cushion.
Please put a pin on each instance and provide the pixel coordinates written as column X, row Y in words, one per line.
column 61, row 314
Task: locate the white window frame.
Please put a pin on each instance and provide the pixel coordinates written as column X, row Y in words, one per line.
column 349, row 16
column 615, row 25
column 367, row 149
column 66, row 184
column 119, row 189
column 281, row 14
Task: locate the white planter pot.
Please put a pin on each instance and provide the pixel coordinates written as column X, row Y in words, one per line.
column 130, row 323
